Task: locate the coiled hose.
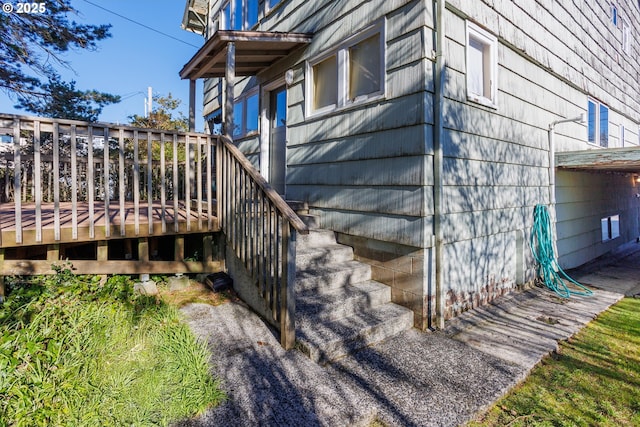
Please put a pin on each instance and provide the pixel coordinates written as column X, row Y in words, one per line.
column 541, row 244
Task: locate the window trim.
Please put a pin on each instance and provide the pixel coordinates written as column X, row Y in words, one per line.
column 341, row 52
column 243, row 126
column 473, row 31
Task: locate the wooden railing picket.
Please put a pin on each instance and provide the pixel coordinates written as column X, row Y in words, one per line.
column 37, row 179
column 17, row 166
column 261, row 229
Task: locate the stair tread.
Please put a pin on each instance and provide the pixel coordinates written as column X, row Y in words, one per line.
column 309, row 296
column 341, row 302
column 315, row 238
column 330, row 268
column 326, row 334
column 322, row 248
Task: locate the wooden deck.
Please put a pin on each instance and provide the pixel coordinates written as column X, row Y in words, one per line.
column 107, row 195
column 115, row 223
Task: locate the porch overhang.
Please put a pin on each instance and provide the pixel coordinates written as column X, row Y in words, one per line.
column 621, row 160
column 254, row 52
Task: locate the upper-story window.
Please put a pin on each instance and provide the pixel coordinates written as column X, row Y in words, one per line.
column 614, row 14
column 272, row 3
column 598, row 124
column 626, row 37
column 239, row 15
column 482, row 65
column 351, row 74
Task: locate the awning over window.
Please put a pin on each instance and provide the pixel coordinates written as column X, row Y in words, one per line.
column 255, row 51
column 626, row 160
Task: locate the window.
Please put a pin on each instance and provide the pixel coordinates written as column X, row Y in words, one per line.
column 214, row 121
column 325, row 83
column 239, row 15
column 604, row 126
column 481, row 65
column 614, row 14
column 246, row 115
column 273, row 3
column 352, row 74
column 626, row 38
column 364, row 67
column 610, row 227
column 622, row 135
column 598, row 124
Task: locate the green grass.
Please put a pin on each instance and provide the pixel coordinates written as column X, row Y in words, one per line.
column 594, row 379
column 75, row 352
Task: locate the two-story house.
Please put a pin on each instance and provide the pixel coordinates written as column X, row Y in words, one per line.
column 423, row 133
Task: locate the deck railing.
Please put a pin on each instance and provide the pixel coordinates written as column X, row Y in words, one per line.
column 112, row 178
column 261, row 230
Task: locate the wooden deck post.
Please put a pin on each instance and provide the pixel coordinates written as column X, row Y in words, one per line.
column 2, row 290
column 192, row 105
column 179, row 248
column 102, row 253
column 143, row 249
column 207, row 248
column 230, row 77
column 288, row 294
column 53, row 253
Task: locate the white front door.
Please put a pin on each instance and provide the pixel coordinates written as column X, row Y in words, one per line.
column 277, row 134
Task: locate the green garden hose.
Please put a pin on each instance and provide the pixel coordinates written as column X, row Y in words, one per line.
column 541, row 244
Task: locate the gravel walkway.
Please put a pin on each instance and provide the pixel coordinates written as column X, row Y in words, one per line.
column 414, row 379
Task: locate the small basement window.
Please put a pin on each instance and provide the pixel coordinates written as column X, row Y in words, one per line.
column 610, row 227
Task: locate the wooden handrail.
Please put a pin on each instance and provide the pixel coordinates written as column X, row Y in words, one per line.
column 261, row 230
column 272, row 194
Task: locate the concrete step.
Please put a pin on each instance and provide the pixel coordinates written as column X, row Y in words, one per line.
column 311, row 221
column 298, row 206
column 341, row 302
column 327, row 341
column 332, row 276
column 316, row 238
column 317, row 257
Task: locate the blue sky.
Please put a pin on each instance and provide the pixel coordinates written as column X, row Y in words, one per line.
column 133, row 58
